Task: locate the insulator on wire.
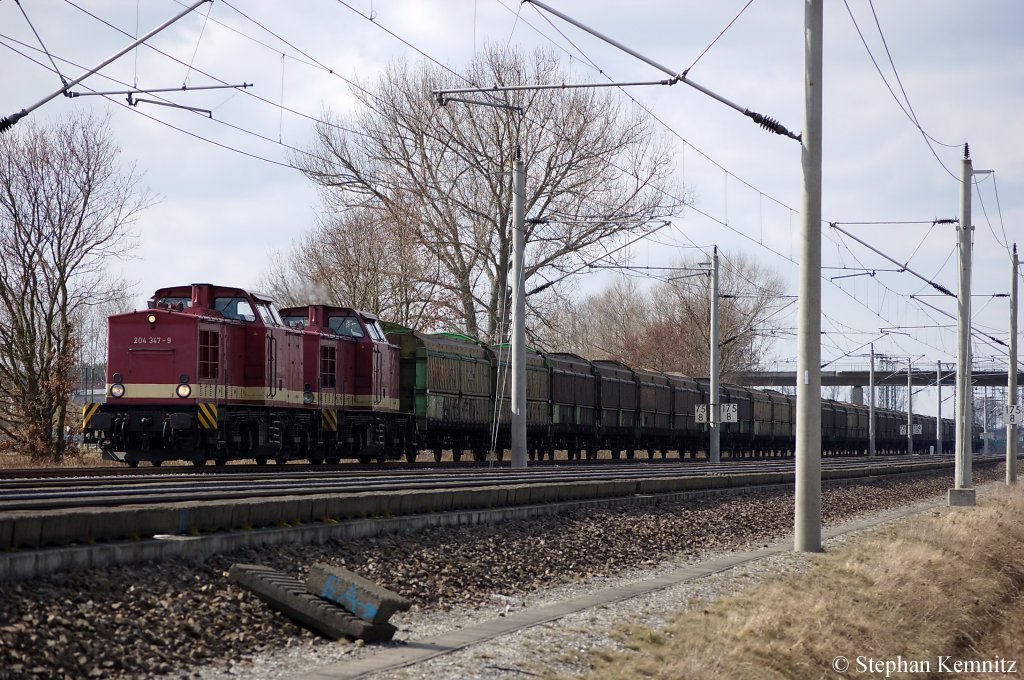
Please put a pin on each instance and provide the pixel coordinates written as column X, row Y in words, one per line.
column 771, row 124
column 8, row 121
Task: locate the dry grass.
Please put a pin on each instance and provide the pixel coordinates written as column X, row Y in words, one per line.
column 85, row 457
column 949, row 583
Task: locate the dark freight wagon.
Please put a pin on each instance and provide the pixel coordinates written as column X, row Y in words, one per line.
column 538, row 392
column 573, row 404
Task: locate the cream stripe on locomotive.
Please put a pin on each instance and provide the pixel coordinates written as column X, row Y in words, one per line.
column 238, row 393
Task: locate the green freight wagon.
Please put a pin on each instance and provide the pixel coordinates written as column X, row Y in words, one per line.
column 445, row 381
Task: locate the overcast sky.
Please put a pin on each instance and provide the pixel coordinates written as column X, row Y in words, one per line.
column 224, row 214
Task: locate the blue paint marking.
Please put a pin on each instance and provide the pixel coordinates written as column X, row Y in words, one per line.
column 349, row 599
column 182, row 520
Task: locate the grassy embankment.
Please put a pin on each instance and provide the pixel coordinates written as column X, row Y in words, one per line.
column 949, row 583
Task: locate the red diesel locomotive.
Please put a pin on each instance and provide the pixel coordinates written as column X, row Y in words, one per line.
column 217, row 373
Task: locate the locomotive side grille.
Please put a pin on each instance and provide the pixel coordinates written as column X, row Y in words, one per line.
column 207, row 416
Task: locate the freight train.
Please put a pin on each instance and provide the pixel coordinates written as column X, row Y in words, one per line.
column 216, row 373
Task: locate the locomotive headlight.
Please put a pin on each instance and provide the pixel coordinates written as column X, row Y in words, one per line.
column 183, row 390
column 117, row 390
column 151, row 319
column 307, row 398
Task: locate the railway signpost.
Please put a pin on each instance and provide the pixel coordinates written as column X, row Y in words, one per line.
column 700, row 414
column 1014, row 414
column 730, row 413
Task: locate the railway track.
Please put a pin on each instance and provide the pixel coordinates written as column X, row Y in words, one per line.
column 48, row 525
column 166, row 485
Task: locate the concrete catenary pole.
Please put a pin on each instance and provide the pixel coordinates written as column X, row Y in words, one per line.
column 963, row 491
column 871, row 405
column 910, row 408
column 807, row 524
column 1011, row 379
column 714, row 417
column 518, row 313
column 938, row 408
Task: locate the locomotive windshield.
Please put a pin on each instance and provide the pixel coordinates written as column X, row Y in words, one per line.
column 237, row 308
column 375, row 331
column 346, row 325
column 269, row 314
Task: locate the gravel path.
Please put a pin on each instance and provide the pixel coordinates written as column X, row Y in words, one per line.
column 187, row 620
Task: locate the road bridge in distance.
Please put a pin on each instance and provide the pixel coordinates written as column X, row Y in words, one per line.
column 883, row 378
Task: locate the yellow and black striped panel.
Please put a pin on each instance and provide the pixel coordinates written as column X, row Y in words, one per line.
column 329, row 420
column 207, row 416
column 88, row 411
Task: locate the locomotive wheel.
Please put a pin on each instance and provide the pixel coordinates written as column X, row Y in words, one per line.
column 261, row 461
column 280, row 461
column 363, row 460
column 410, row 456
column 220, row 461
column 456, row 455
column 333, row 460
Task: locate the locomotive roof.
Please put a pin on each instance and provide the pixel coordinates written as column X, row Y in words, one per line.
column 186, row 291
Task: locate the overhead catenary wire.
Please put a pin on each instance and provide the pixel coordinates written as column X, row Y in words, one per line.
column 734, row 229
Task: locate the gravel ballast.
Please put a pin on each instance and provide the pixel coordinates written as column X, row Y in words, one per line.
column 188, row 620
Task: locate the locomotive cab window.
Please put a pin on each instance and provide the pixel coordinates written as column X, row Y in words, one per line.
column 174, row 302
column 209, row 355
column 237, row 308
column 346, row 325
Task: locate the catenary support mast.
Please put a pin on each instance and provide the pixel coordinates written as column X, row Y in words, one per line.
column 807, row 525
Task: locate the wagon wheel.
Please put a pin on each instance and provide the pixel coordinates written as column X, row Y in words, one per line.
column 133, row 463
column 199, row 462
column 261, row 461
column 156, row 463
column 437, row 455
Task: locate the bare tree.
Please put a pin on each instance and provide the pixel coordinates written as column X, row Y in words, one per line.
column 596, row 172
column 356, row 259
column 667, row 327
column 66, row 206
